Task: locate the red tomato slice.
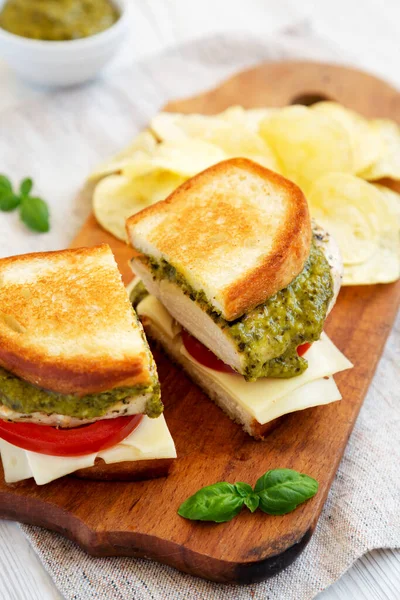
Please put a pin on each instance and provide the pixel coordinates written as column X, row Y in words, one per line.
column 202, row 354
column 69, row 442
column 208, row 359
column 302, row 349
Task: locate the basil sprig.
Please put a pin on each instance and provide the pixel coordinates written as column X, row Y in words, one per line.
column 277, row 492
column 33, row 211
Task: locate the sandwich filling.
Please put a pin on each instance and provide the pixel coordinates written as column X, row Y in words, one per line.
column 293, row 316
column 23, row 397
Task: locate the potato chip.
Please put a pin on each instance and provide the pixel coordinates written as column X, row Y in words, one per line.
column 244, row 143
column 186, row 157
column 117, row 197
column 382, row 267
column 322, row 148
column 353, row 211
column 233, row 139
column 166, row 126
column 177, row 126
column 388, row 163
column 392, row 200
column 145, row 142
column 365, row 140
column 249, row 118
column 143, row 145
column 308, row 144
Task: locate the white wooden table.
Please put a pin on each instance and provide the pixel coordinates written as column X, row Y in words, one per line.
column 369, row 32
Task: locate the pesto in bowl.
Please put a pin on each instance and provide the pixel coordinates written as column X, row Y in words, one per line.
column 57, row 20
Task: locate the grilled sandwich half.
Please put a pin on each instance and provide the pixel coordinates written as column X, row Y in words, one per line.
column 73, row 353
column 234, row 259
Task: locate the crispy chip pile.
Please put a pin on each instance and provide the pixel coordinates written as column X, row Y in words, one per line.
column 334, row 154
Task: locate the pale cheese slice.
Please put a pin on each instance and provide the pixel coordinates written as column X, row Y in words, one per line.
column 45, row 468
column 316, row 393
column 324, row 359
column 266, row 399
column 150, row 440
column 15, row 462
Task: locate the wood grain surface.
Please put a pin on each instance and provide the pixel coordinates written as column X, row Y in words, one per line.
column 125, row 518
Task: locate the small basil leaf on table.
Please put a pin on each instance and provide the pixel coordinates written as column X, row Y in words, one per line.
column 219, row 502
column 8, row 201
column 282, row 490
column 243, row 489
column 26, row 186
column 35, row 214
column 252, row 501
column 5, row 185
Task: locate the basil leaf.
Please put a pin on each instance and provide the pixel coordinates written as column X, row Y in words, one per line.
column 243, row 489
column 219, row 502
column 5, row 182
column 252, row 501
column 35, row 214
column 26, row 186
column 282, row 490
column 9, row 201
column 5, row 185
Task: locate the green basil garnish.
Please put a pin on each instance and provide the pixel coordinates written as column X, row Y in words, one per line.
column 8, row 201
column 219, row 502
column 33, row 211
column 282, row 490
column 35, row 214
column 26, row 187
column 5, row 185
column 277, row 492
column 243, row 489
column 252, row 502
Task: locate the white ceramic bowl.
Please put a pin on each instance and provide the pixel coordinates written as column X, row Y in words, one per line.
column 64, row 63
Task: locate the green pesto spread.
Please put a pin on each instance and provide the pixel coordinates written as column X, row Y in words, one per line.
column 291, row 317
column 23, row 397
column 57, row 20
column 138, row 293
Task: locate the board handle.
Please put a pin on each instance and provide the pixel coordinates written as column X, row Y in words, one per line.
column 310, row 98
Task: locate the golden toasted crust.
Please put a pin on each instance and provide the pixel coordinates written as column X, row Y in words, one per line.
column 234, row 213
column 66, row 323
column 127, row 470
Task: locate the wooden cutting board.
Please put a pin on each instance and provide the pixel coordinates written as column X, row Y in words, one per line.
column 140, row 519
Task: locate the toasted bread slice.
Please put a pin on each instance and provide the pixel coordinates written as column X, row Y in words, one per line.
column 127, row 470
column 236, row 232
column 66, row 323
